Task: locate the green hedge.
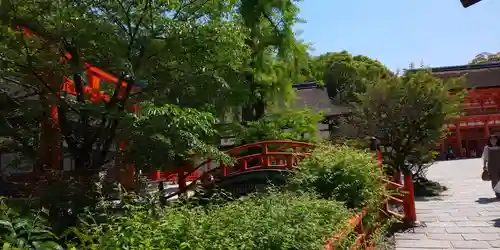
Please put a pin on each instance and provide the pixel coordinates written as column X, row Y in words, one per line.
column 341, row 173
column 271, row 221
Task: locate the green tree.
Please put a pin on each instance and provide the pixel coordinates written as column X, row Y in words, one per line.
column 344, row 74
column 183, row 68
column 185, row 62
column 277, row 58
column 407, row 114
column 486, row 57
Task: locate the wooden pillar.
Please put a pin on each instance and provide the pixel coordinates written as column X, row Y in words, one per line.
column 265, row 158
column 50, row 136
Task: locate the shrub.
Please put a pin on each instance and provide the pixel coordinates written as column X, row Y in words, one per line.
column 24, row 232
column 270, row 221
column 341, row 173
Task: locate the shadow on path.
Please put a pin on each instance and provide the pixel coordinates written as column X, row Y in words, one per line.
column 496, row 222
column 483, row 200
column 432, row 198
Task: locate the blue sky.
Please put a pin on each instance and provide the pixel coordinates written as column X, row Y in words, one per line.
column 398, row 32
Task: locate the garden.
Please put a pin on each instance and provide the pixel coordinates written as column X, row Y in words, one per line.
column 195, row 72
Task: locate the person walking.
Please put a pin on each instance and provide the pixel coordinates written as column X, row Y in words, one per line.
column 491, row 161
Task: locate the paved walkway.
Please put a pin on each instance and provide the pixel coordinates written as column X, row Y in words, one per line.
column 467, row 216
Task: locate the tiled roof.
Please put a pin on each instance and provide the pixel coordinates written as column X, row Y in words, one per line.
column 484, row 75
column 309, row 95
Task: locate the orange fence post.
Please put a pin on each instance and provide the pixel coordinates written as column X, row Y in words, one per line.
column 409, row 199
column 245, row 164
column 265, row 158
column 379, row 158
column 224, row 168
column 156, row 175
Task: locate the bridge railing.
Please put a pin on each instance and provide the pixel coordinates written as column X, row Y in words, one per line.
column 266, row 154
column 404, row 197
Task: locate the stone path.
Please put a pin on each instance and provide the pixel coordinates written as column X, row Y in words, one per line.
column 467, row 216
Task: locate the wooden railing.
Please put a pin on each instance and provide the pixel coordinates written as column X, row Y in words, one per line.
column 404, row 197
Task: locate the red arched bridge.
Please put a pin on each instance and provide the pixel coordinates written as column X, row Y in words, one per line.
column 272, row 157
column 269, row 157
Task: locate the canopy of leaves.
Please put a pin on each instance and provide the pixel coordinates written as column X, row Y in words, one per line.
column 168, row 136
column 344, row 74
column 181, row 54
column 408, row 113
column 290, row 124
column 486, row 57
column 277, row 59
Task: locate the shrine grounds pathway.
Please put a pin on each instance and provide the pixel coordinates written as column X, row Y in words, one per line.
column 467, row 216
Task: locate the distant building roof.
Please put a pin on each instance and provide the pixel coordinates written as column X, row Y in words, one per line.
column 484, row 75
column 314, row 96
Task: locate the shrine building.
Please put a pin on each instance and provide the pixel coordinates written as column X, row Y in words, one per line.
column 481, row 109
column 468, row 133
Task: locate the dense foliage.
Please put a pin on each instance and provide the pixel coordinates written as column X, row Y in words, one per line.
column 277, row 220
column 24, row 232
column 290, row 124
column 344, row 74
column 274, row 221
column 486, row 57
column 341, row 173
column 216, row 57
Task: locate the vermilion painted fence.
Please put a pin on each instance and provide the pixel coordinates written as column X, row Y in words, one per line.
column 405, row 198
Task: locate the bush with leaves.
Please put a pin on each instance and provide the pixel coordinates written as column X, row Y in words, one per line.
column 24, row 232
column 341, row 173
column 271, row 221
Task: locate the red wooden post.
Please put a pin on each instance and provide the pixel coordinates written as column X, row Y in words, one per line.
column 409, row 200
column 289, row 161
column 379, row 158
column 55, row 150
column 265, row 157
column 486, row 128
column 224, row 168
column 245, row 164
column 156, row 175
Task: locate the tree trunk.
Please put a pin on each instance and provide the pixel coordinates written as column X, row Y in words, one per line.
column 50, row 137
column 259, row 108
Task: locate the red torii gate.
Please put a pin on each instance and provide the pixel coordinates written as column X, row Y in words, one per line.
column 50, row 124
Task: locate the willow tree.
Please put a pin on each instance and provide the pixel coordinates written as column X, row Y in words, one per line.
column 274, row 51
